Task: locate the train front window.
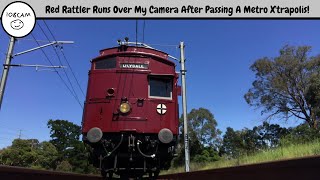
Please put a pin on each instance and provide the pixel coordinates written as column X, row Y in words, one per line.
column 108, row 63
column 160, row 87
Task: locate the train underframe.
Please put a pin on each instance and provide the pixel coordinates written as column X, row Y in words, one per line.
column 131, row 155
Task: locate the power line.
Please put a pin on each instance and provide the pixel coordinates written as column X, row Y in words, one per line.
column 73, row 74
column 60, row 63
column 25, row 39
column 66, row 60
column 144, row 26
column 136, row 32
column 63, row 81
column 169, row 45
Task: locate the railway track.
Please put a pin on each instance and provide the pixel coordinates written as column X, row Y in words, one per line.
column 306, row 168
column 301, row 168
column 19, row 173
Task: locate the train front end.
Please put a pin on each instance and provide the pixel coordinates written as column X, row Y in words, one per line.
column 130, row 117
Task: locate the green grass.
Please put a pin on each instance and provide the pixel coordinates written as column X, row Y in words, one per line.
column 290, row 151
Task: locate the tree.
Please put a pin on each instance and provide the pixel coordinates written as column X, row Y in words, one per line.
column 302, row 133
column 241, row 142
column 286, row 85
column 64, row 166
column 250, row 141
column 64, row 134
column 47, row 155
column 77, row 156
column 271, row 134
column 208, row 154
column 313, row 96
column 231, row 143
column 202, row 126
column 22, row 153
column 72, row 152
column 202, row 131
column 29, row 153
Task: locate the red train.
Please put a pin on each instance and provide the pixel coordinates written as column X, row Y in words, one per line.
column 130, row 118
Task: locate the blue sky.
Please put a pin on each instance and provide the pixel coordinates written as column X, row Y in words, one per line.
column 219, row 54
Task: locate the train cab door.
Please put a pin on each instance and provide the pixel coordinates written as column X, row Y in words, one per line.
column 161, row 101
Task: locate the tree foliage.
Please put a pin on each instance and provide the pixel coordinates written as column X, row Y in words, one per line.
column 63, row 133
column 47, row 155
column 72, row 152
column 64, row 166
column 29, row 153
column 287, row 85
column 270, row 134
column 249, row 141
column 64, row 152
column 202, row 126
column 300, row 134
column 202, row 133
column 231, row 143
column 20, row 153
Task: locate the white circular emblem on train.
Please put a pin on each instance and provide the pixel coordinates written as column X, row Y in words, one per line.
column 18, row 19
column 161, row 108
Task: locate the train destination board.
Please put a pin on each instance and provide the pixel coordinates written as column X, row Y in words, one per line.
column 134, row 66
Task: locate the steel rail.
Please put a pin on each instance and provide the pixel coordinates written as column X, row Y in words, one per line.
column 293, row 169
column 298, row 168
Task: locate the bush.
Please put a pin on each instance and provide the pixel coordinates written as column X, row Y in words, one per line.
column 64, row 166
column 207, row 155
column 299, row 135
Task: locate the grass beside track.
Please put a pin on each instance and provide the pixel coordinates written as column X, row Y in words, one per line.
column 290, row 151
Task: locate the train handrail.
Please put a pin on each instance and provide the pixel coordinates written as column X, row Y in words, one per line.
column 144, row 45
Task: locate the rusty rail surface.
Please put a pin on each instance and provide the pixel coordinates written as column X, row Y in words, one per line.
column 307, row 168
column 19, row 173
column 300, row 168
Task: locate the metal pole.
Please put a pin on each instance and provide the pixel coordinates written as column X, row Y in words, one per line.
column 184, row 107
column 6, row 69
column 35, row 65
column 43, row 46
column 7, row 64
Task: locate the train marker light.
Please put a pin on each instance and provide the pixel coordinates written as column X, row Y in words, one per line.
column 94, row 135
column 140, row 102
column 110, row 92
column 124, row 107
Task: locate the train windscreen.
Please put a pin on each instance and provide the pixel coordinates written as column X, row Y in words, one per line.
column 160, row 87
column 108, row 63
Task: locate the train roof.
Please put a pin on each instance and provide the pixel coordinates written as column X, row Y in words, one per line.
column 134, row 50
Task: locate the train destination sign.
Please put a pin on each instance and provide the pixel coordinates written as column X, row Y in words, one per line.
column 134, row 66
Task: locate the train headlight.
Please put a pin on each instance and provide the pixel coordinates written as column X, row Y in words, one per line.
column 165, row 135
column 125, row 107
column 94, row 135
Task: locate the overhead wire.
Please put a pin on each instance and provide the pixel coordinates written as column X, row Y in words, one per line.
column 136, row 32
column 63, row 81
column 72, row 88
column 26, row 39
column 169, row 45
column 65, row 59
column 144, row 26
